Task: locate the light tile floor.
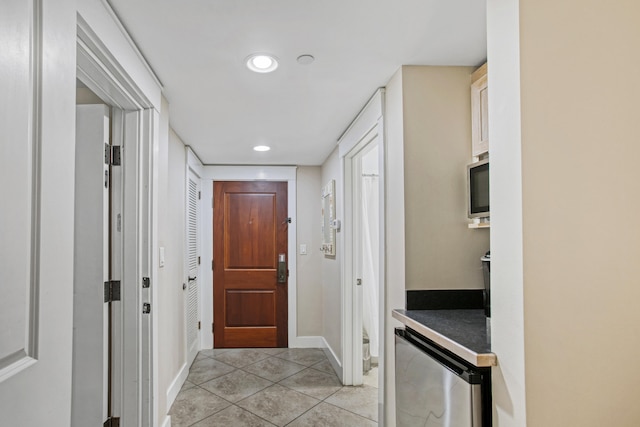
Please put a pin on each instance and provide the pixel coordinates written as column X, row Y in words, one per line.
column 272, row 387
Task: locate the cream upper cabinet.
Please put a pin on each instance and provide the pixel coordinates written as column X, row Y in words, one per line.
column 479, row 112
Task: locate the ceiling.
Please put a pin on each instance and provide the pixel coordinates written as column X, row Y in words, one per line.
column 198, row 48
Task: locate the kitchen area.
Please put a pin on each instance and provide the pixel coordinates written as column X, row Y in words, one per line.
column 442, row 351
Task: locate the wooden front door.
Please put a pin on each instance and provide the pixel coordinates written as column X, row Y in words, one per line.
column 250, row 228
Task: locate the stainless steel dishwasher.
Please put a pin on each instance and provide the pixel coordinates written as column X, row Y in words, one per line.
column 434, row 388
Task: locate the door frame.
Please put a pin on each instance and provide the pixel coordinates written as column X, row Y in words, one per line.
column 366, row 127
column 248, row 173
column 136, row 121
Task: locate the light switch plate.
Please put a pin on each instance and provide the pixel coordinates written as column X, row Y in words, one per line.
column 161, row 257
column 303, row 249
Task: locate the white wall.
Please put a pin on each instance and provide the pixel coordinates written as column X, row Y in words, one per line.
column 331, row 267
column 309, row 293
column 171, row 236
column 395, row 232
column 507, row 309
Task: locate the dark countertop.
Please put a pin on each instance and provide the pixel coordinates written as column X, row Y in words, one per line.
column 463, row 332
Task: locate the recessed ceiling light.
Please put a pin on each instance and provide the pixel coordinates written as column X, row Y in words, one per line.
column 305, row 59
column 262, row 148
column 262, row 62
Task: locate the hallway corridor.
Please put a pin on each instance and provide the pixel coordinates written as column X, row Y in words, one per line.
column 272, row 386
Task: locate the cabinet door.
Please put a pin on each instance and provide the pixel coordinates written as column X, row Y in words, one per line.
column 479, row 112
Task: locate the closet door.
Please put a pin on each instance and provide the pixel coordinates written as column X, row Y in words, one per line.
column 193, row 265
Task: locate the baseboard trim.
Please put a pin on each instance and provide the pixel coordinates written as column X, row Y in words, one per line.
column 307, row 342
column 167, row 421
column 174, row 388
column 333, row 359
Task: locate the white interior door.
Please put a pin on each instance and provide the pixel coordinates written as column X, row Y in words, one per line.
column 36, row 216
column 90, row 378
column 193, row 265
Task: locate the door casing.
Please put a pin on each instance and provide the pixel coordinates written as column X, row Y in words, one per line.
column 136, row 129
column 368, row 127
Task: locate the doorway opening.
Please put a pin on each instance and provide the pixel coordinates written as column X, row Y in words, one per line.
column 362, row 151
column 363, row 266
column 130, row 269
column 368, row 257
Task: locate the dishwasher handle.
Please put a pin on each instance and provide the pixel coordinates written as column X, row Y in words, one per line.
column 465, row 372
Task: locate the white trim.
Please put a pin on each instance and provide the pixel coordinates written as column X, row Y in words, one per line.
column 16, row 367
column 366, row 120
column 111, row 69
column 150, row 329
column 123, row 57
column 131, row 43
column 194, row 162
column 249, row 173
column 333, row 359
column 176, row 385
column 382, row 241
column 206, row 288
column 167, row 421
column 367, row 126
column 99, row 66
column 308, row 342
column 212, row 173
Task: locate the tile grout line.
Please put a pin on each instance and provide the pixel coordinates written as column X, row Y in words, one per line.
column 272, row 383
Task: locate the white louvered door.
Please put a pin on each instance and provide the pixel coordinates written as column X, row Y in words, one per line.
column 193, row 264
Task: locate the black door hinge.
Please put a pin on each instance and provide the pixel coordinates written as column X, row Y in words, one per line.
column 112, row 422
column 212, row 265
column 146, row 282
column 112, row 291
column 198, row 260
column 146, row 308
column 199, row 325
column 199, row 195
column 212, row 327
column 116, row 159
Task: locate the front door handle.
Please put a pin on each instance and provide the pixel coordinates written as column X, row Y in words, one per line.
column 282, row 268
column 191, row 279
